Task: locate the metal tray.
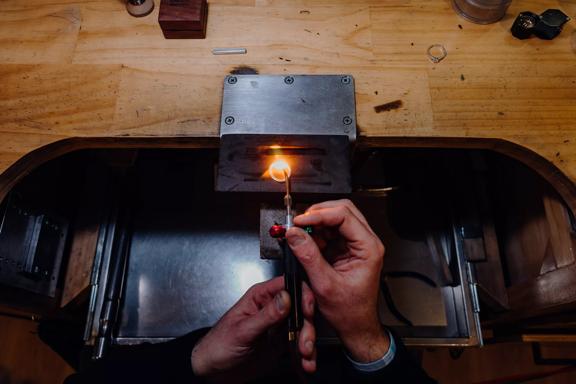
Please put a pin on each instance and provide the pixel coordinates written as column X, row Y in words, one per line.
column 192, row 252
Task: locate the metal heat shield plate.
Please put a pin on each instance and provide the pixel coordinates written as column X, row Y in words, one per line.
column 289, row 105
column 320, row 164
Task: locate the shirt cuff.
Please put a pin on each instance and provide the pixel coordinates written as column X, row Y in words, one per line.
column 379, row 364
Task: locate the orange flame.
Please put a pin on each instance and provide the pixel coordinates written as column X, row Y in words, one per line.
column 279, row 169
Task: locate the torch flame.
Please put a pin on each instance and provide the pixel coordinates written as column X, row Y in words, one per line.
column 278, row 170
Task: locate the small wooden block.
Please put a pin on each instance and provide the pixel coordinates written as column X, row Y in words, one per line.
column 183, row 19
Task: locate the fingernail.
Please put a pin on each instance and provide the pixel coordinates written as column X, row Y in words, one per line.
column 280, row 305
column 309, row 346
column 295, row 237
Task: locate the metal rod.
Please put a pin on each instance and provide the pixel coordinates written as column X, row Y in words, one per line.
column 288, row 200
column 292, row 271
column 18, row 316
column 229, row 51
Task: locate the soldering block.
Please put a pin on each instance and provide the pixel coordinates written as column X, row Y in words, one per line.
column 320, row 164
column 270, row 215
column 183, row 19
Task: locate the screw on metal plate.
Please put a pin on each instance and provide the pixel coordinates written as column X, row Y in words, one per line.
column 293, row 102
column 229, row 120
column 232, row 80
column 347, row 120
column 346, row 79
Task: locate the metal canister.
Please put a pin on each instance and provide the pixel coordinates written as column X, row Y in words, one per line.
column 481, row 11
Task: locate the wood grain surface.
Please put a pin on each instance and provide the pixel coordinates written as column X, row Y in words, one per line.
column 76, row 74
column 24, row 358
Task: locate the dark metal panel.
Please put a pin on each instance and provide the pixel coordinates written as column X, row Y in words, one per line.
column 320, row 164
column 31, row 248
column 289, row 105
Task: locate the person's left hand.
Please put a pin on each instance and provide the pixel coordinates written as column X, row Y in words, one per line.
column 247, row 339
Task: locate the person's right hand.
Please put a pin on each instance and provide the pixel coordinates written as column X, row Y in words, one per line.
column 345, row 281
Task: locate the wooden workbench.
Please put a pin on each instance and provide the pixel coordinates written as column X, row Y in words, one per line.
column 85, row 74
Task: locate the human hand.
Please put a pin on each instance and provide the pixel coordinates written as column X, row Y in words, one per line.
column 248, row 338
column 345, row 281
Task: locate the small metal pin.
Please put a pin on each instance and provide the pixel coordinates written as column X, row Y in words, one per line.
column 288, row 200
column 229, row 51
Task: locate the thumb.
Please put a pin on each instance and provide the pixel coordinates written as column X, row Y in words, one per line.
column 273, row 313
column 306, row 251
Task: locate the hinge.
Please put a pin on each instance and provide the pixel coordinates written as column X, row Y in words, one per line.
column 473, row 288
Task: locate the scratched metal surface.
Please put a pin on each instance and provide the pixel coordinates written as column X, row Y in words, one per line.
column 289, row 105
column 185, row 272
column 193, row 252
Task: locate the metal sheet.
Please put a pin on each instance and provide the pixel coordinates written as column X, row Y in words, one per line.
column 320, row 164
column 428, row 311
column 289, row 105
column 187, row 268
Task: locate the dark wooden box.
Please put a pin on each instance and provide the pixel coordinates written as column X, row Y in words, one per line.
column 183, row 19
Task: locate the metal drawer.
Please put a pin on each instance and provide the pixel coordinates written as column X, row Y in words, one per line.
column 176, row 255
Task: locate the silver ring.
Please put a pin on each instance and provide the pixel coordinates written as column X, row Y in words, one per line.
column 433, row 58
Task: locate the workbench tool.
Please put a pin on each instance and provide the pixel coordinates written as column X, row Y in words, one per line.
column 292, row 271
column 139, row 8
column 279, row 171
column 481, row 11
column 291, row 127
column 307, row 120
column 183, row 19
column 545, row 26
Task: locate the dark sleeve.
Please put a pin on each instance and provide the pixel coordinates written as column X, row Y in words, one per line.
column 151, row 363
column 402, row 369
